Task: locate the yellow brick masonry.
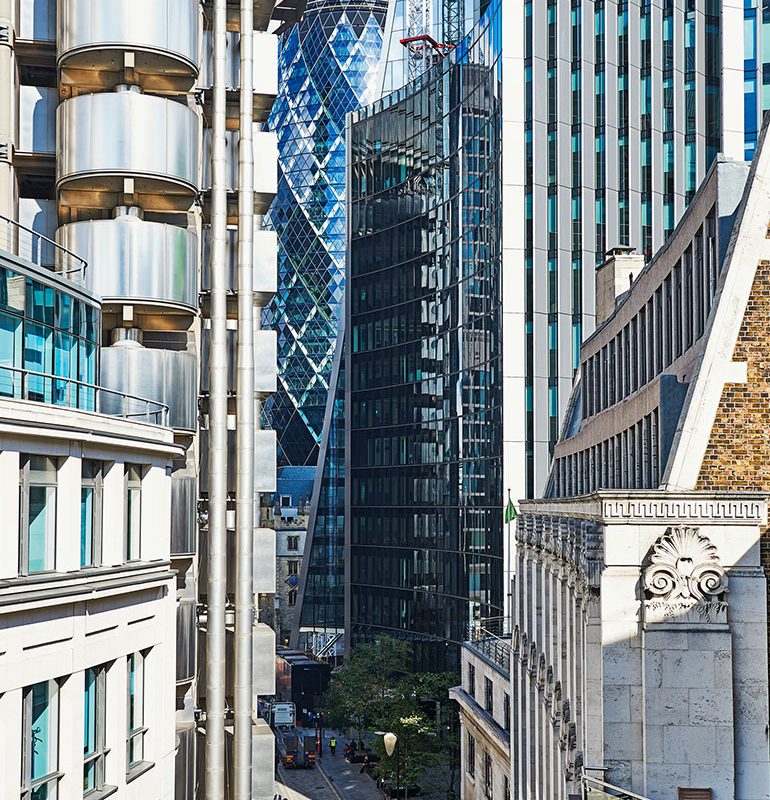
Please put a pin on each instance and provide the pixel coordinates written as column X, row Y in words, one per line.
column 738, row 453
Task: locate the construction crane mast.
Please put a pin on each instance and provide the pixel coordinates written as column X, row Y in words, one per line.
column 424, row 49
column 454, row 19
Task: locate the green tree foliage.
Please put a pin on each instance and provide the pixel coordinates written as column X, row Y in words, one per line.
column 376, row 691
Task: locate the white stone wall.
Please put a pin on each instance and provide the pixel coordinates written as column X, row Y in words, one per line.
column 641, row 645
column 56, row 625
column 489, row 731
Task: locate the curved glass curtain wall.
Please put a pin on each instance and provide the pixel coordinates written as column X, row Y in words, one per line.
column 49, row 341
column 423, row 357
column 327, row 67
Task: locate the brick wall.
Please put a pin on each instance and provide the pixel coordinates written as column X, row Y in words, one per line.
column 738, row 453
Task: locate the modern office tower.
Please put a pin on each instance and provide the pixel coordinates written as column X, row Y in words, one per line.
column 645, row 567
column 112, row 111
column 328, row 66
column 424, row 504
column 88, row 611
column 623, row 109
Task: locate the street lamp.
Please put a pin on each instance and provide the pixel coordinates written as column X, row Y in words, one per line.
column 390, row 740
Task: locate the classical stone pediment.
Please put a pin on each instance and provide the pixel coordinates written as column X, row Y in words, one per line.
column 684, row 581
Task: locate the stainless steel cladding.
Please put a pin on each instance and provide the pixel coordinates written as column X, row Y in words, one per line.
column 265, row 450
column 127, row 142
column 185, row 641
column 265, row 155
column 162, row 35
column 168, row 376
column 37, row 119
column 265, row 281
column 184, row 522
column 265, row 359
column 135, row 260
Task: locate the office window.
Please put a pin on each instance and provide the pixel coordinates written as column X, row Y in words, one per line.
column 292, row 543
column 40, row 741
column 135, row 695
column 91, row 514
column 471, row 680
column 94, row 751
column 37, row 518
column 293, row 567
column 471, row 759
column 133, row 512
column 488, row 776
column 489, row 697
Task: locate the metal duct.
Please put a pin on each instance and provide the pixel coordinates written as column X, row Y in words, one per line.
column 244, row 503
column 217, row 559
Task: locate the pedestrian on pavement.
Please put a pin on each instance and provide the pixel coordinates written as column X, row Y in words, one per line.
column 365, row 765
column 333, row 744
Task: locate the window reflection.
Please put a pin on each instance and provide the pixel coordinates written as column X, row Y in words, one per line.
column 424, row 355
column 48, row 343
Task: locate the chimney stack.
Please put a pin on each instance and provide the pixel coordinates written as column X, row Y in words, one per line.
column 614, row 278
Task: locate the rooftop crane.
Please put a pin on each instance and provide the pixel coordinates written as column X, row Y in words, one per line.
column 424, row 49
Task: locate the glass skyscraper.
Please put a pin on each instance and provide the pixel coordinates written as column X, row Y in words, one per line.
column 423, row 475
column 328, row 66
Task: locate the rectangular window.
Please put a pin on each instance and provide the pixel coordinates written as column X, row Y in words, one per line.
column 506, row 788
column 471, row 680
column 507, row 699
column 94, row 750
column 133, row 512
column 488, row 776
column 37, row 517
column 292, row 597
column 135, row 725
column 471, row 759
column 40, row 741
column 293, row 567
column 489, row 696
column 91, row 513
column 292, row 543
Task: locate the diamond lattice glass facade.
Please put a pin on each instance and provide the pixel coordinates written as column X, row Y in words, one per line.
column 328, row 66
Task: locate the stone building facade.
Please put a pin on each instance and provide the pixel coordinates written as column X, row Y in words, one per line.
column 647, row 558
column 639, row 645
column 639, row 626
column 287, row 514
column 484, row 700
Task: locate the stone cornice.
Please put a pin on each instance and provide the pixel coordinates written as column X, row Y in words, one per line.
column 641, row 507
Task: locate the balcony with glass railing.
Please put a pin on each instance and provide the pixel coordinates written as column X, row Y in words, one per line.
column 50, row 331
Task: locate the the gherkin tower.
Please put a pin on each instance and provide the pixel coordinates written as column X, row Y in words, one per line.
column 328, row 66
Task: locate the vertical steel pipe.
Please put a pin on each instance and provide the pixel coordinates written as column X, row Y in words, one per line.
column 217, row 540
column 244, row 504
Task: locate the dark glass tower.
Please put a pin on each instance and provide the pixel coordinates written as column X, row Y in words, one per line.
column 424, row 356
column 327, row 67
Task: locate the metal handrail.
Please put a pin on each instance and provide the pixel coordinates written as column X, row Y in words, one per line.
column 492, row 637
column 16, row 234
column 587, row 782
column 154, row 412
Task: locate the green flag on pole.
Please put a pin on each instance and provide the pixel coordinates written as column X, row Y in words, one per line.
column 510, row 512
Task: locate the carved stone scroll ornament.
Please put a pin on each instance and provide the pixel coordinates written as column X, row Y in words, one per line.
column 684, row 581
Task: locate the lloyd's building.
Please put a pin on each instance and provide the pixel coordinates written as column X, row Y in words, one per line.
column 134, row 170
